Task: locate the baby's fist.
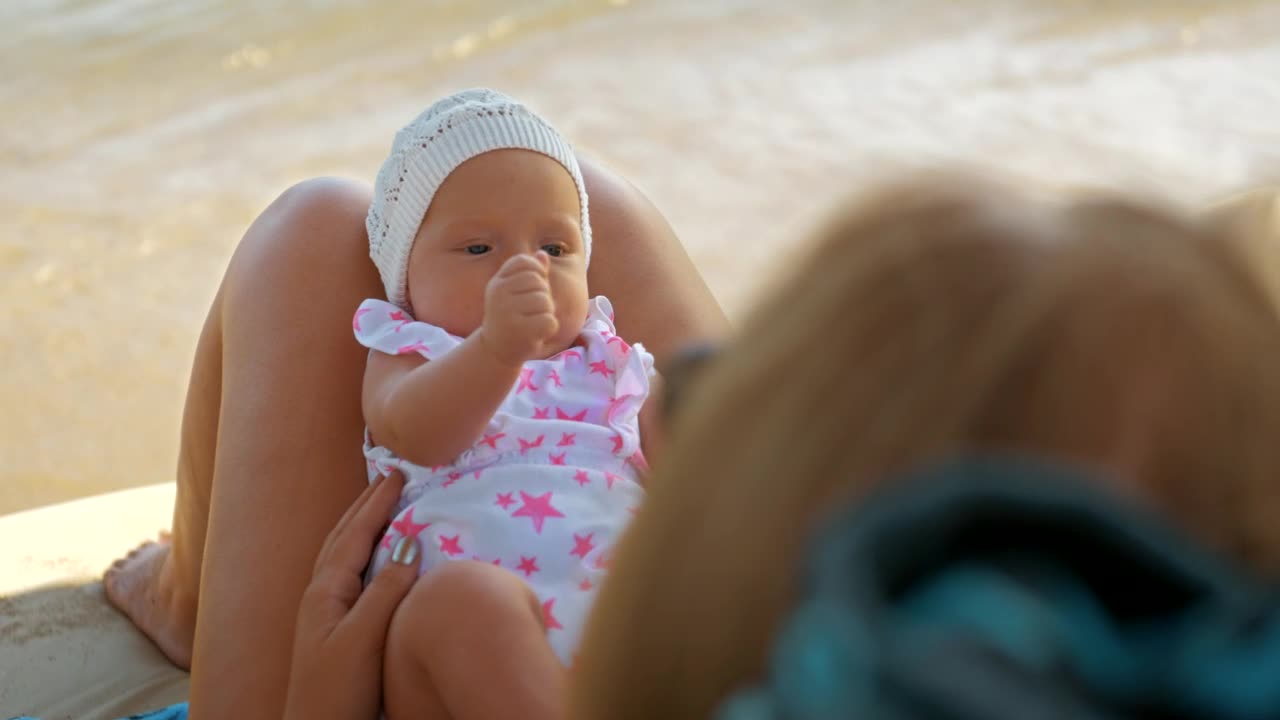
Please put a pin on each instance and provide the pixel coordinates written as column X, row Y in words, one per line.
column 519, row 312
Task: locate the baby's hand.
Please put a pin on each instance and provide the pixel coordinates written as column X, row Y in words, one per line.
column 519, row 313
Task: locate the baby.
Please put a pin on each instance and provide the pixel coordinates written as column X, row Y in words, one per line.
column 496, row 385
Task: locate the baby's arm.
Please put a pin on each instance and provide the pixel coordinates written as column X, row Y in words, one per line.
column 429, row 412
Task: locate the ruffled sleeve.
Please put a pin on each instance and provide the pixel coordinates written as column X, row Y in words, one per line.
column 381, row 326
column 633, row 366
column 599, row 317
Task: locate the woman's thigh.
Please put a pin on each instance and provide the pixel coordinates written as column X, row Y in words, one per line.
column 640, row 264
column 288, row 458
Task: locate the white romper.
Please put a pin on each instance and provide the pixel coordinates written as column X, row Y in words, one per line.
column 551, row 484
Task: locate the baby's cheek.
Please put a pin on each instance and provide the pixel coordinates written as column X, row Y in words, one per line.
column 450, row 307
column 571, row 306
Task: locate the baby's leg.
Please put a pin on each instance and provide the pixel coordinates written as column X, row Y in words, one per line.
column 468, row 643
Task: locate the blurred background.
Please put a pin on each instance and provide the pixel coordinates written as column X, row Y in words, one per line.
column 138, row 138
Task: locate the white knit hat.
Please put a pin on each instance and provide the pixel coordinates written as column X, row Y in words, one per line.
column 447, row 134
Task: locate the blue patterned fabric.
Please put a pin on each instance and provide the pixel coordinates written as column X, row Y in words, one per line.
column 173, row 712
column 1005, row 590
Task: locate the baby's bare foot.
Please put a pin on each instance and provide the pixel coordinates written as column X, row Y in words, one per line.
column 139, row 585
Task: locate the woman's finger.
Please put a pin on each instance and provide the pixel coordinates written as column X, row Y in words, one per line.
column 346, row 518
column 354, row 542
column 373, row 610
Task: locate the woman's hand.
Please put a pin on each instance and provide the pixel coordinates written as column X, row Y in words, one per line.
column 341, row 633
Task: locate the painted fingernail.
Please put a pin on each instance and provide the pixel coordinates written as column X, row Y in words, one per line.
column 406, row 551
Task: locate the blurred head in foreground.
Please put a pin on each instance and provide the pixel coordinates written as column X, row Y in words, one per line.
column 937, row 318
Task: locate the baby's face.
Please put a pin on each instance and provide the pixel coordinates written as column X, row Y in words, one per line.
column 492, row 207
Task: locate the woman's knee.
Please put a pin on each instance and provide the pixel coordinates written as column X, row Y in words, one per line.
column 310, row 242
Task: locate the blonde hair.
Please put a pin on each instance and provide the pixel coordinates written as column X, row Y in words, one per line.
column 936, row 318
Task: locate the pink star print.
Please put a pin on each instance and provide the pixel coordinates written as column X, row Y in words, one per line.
column 571, row 354
column 567, row 439
column 601, row 367
column 528, row 565
column 558, row 459
column 537, row 509
column 542, row 413
column 637, row 459
column 412, row 348
column 386, row 541
column 617, row 443
column 625, row 348
column 585, row 585
column 355, row 321
column 549, row 618
column 582, row 545
column 453, row 478
column 562, row 415
column 610, row 479
column 614, row 406
column 526, row 381
column 554, row 377
column 398, row 315
column 505, row 500
column 582, row 478
column 449, row 545
column 492, row 440
column 477, row 473
column 406, row 526
column 526, row 445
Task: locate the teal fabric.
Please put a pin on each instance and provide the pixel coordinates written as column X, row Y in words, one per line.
column 997, row 589
column 173, row 712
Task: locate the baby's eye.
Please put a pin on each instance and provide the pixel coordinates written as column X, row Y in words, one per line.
column 477, row 249
column 553, row 250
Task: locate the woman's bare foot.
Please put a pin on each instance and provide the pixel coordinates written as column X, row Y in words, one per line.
column 139, row 585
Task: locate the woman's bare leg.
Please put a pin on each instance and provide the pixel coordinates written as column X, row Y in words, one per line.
column 639, row 263
column 288, row 459
column 468, row 643
column 157, row 585
column 275, row 390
